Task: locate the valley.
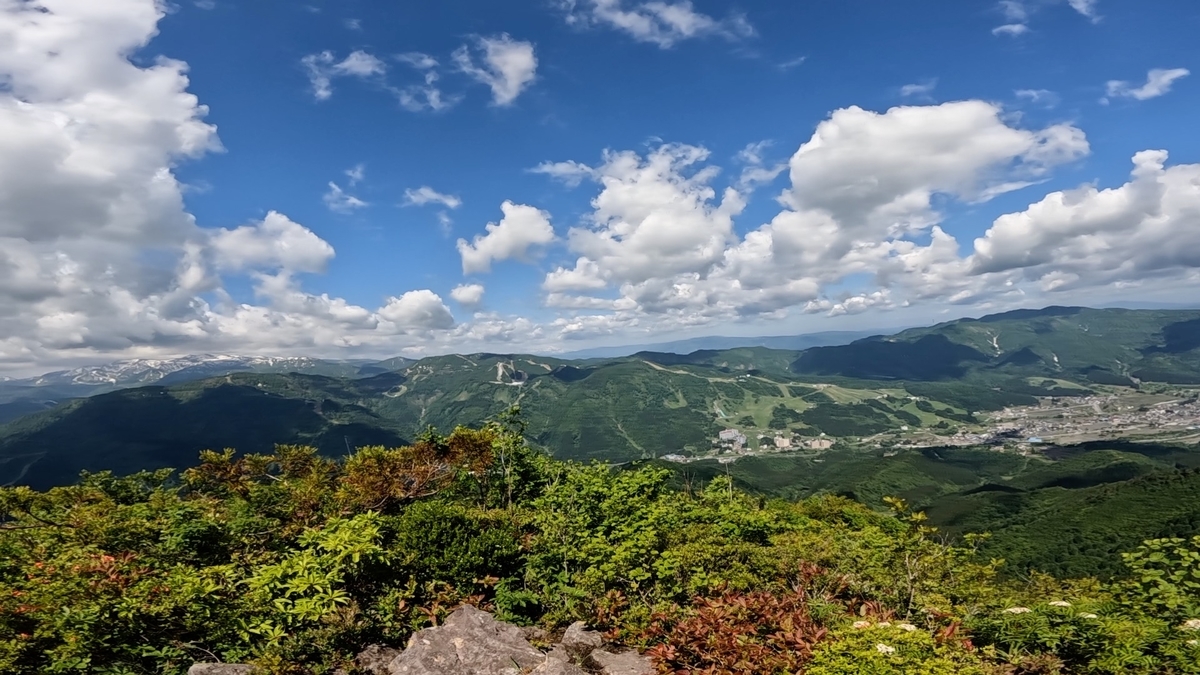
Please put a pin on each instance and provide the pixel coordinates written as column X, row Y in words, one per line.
column 1003, row 423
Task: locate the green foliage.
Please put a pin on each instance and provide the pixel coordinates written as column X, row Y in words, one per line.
column 888, row 648
column 783, row 417
column 294, row 562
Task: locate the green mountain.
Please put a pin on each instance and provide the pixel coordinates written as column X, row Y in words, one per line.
column 24, row 396
column 1106, row 346
column 619, row 410
column 932, row 380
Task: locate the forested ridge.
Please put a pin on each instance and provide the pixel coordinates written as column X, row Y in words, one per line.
column 292, row 562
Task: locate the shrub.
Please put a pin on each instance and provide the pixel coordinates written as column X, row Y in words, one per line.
column 737, row 633
column 888, row 648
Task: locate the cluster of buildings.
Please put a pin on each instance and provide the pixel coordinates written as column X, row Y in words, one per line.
column 1100, row 415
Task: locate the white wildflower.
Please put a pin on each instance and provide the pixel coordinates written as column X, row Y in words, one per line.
column 1088, row 615
column 1191, row 624
column 1018, row 610
column 862, row 624
column 884, row 624
column 884, row 649
column 1060, row 603
column 906, row 626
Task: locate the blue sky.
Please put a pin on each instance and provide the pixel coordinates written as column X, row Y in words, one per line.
column 283, row 177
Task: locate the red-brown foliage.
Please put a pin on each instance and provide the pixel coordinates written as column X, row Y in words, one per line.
column 737, row 634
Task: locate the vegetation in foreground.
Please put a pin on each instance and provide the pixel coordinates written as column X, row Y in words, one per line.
column 294, row 562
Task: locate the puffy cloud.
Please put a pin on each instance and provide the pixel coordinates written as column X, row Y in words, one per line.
column 654, row 216
column 427, row 195
column 418, row 311
column 585, row 276
column 1146, row 228
column 660, row 23
column 323, row 67
column 861, row 200
column 275, row 242
column 1158, row 82
column 876, row 173
column 98, row 257
column 855, row 304
column 468, row 295
column 520, row 230
column 508, row 66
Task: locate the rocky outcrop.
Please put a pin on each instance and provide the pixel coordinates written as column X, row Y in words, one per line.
column 622, row 663
column 375, row 659
column 473, row 642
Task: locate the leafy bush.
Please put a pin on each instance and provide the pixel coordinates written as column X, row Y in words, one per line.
column 736, row 633
column 294, row 562
column 887, row 648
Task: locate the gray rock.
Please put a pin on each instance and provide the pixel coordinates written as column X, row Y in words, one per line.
column 375, row 659
column 580, row 641
column 471, row 642
column 558, row 663
column 220, row 669
column 624, row 663
column 535, row 634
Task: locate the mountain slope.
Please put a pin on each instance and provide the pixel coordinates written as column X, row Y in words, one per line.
column 156, row 427
column 24, row 396
column 615, row 411
column 1109, row 346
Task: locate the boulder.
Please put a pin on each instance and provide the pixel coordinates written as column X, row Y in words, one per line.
column 580, row 641
column 558, row 663
column 375, row 659
column 220, row 669
column 623, row 663
column 471, row 642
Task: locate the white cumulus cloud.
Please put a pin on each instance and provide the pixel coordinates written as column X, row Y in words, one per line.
column 275, row 242
column 520, row 230
column 417, row 311
column 468, row 295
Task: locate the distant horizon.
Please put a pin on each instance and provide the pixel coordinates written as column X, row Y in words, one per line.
column 574, row 355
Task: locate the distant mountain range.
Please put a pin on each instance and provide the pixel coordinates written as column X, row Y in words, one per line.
column 23, row 396
column 645, row 405
column 1104, row 346
column 787, row 342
